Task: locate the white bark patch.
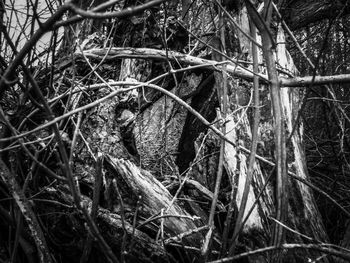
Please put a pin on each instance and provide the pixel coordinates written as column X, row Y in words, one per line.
column 243, row 22
column 285, row 61
column 230, row 163
column 254, row 218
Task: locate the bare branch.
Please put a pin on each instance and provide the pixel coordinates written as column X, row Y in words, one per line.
column 149, row 53
column 237, row 71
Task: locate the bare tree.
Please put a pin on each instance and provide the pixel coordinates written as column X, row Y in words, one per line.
column 163, row 131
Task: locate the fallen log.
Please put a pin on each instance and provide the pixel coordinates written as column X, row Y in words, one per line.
column 156, row 200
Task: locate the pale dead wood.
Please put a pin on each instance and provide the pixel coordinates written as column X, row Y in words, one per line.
column 236, row 70
column 155, row 197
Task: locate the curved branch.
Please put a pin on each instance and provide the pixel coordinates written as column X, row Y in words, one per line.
column 149, row 53
column 235, row 70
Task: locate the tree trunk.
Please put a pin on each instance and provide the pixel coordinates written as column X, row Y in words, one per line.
column 167, row 157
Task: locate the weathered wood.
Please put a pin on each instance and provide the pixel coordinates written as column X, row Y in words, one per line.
column 304, row 209
column 231, row 66
column 155, row 198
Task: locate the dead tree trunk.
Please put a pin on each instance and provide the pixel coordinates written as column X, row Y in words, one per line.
column 169, row 156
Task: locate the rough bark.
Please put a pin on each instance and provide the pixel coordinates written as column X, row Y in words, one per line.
column 153, row 202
